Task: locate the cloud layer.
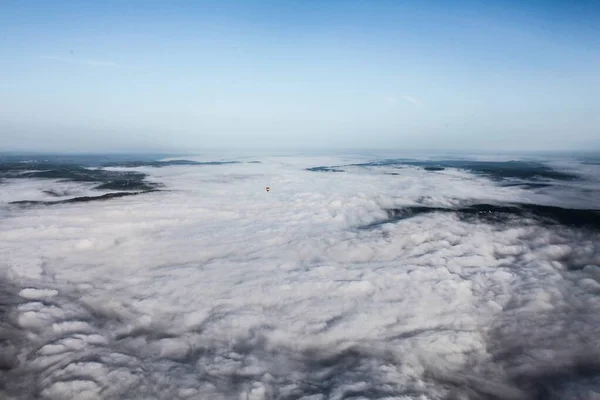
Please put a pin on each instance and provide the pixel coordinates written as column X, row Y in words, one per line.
column 215, row 288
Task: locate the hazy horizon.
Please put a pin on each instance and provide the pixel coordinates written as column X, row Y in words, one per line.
column 308, row 152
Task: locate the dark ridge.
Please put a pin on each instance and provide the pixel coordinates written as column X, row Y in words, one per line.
column 55, row 193
column 434, row 168
column 494, row 169
column 254, row 162
column 324, row 169
column 548, row 215
column 158, row 164
column 382, row 163
column 126, row 185
column 82, row 199
column 108, row 180
column 88, row 160
column 591, row 159
column 512, row 169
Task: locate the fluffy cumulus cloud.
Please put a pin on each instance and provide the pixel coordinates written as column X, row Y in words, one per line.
column 215, row 288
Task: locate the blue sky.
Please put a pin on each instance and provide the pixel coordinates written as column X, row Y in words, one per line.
column 190, row 75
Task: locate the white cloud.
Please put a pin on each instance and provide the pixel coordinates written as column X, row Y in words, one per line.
column 93, row 63
column 413, row 100
column 218, row 289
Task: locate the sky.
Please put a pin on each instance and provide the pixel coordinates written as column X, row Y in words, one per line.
column 193, row 75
